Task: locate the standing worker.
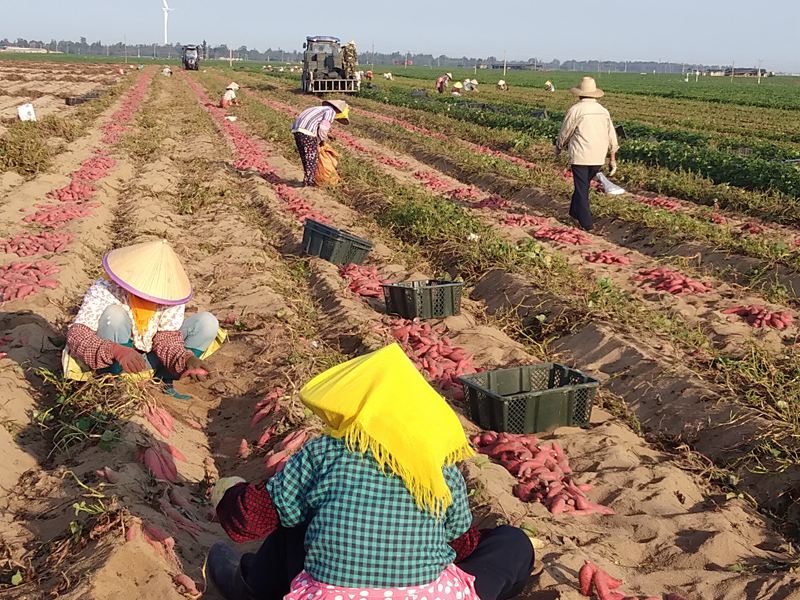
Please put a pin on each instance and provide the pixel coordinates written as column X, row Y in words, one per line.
column 311, row 128
column 375, row 508
column 229, row 97
column 588, row 134
column 349, row 60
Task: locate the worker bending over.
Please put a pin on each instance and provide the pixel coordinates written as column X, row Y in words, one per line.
column 229, row 97
column 311, row 128
column 443, row 82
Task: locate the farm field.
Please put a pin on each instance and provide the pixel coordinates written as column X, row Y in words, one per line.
column 693, row 442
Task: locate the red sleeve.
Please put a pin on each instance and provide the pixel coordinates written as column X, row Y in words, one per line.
column 86, row 345
column 246, row 512
column 171, row 350
column 466, row 544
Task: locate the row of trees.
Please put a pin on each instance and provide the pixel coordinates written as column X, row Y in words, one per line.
column 98, row 48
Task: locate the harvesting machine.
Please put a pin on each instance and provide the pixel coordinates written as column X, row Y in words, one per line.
column 324, row 68
column 191, row 58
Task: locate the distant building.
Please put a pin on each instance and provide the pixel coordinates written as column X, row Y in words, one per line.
column 743, row 72
column 518, row 66
column 17, row 49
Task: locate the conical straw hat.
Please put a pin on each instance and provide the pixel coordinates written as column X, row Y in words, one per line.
column 342, row 109
column 151, row 271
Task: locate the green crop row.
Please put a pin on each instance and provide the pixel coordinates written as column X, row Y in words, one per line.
column 680, row 151
column 718, row 166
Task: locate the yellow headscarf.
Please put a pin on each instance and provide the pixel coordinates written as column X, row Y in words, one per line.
column 380, row 403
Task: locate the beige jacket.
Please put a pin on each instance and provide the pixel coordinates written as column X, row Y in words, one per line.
column 588, row 133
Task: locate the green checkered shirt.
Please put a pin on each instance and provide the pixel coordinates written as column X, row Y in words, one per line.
column 365, row 529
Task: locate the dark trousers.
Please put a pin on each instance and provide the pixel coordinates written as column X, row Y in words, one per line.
column 501, row 564
column 582, row 176
column 308, row 149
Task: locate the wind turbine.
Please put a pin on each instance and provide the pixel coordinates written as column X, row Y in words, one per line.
column 166, row 10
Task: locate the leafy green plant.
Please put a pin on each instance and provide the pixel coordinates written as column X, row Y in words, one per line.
column 87, row 412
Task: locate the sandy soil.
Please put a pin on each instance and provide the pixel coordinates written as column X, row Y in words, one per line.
column 289, row 317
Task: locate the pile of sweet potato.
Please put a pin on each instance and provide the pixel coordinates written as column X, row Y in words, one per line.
column 20, row 280
column 761, row 316
column 664, row 203
column 395, row 163
column 74, row 191
column 57, row 215
column 543, row 472
column 116, row 127
column 363, row 281
column 434, row 354
column 464, row 193
column 672, row 282
column 607, row 258
column 432, row 181
column 495, row 202
column 563, row 235
column 523, row 220
column 31, row 244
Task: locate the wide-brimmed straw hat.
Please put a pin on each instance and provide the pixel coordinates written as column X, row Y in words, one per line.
column 474, row 82
column 342, row 109
column 151, row 270
column 588, row 89
column 458, row 85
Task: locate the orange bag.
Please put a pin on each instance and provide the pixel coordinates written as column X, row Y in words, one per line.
column 327, row 162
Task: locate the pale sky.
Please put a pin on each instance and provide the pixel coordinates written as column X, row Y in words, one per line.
column 694, row 31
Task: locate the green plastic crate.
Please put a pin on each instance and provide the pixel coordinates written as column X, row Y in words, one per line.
column 426, row 299
column 530, row 398
column 334, row 245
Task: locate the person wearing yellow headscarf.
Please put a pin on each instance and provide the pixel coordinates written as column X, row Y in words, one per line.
column 132, row 320
column 373, row 509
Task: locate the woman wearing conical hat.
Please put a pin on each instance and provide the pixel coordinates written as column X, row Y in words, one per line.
column 132, row 320
column 373, row 509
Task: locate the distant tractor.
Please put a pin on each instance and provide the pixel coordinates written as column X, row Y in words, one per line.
column 191, row 58
column 325, row 68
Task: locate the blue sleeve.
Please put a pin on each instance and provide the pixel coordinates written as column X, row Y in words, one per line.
column 458, row 517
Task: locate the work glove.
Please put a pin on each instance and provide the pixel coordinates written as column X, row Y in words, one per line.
column 129, row 359
column 196, row 369
column 222, row 486
column 613, row 165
